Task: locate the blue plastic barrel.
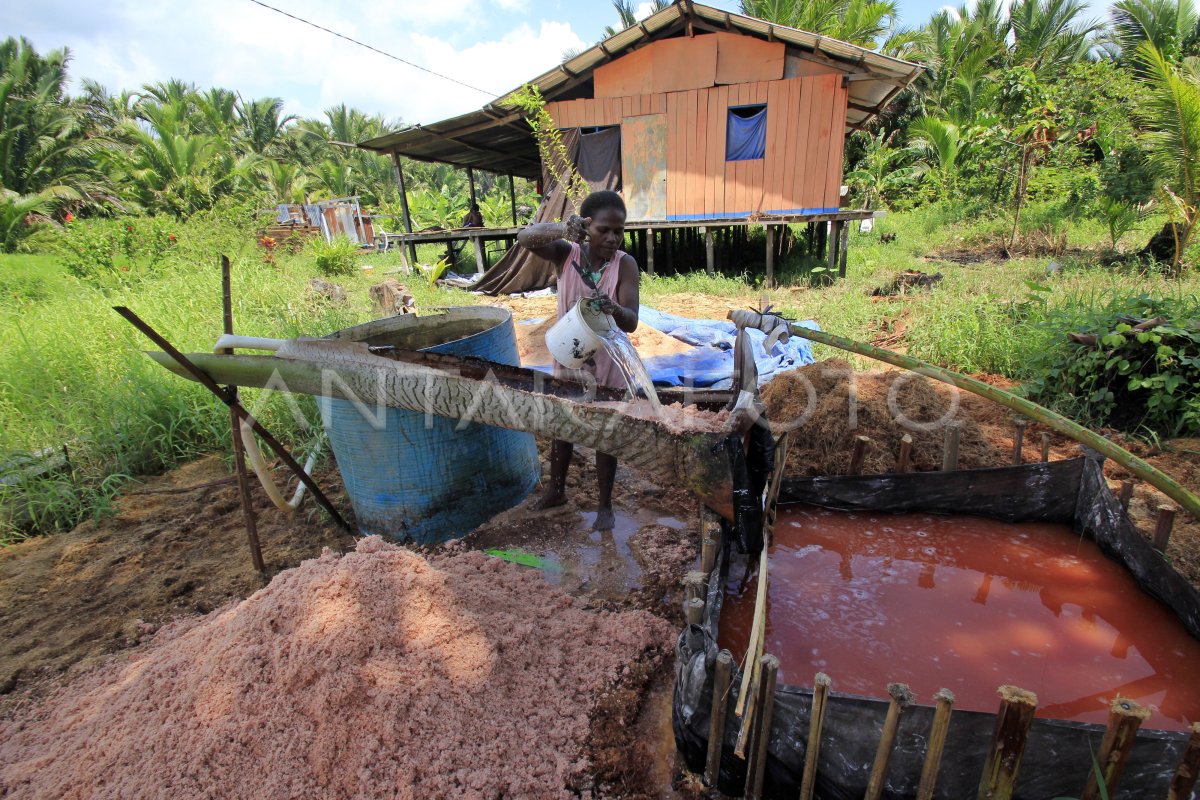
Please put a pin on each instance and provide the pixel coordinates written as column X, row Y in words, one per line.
column 416, row 478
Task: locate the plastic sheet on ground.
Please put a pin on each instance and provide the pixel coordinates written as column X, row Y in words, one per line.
column 709, row 364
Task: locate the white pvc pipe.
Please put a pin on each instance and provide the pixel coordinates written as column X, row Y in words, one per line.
column 259, row 464
column 228, row 341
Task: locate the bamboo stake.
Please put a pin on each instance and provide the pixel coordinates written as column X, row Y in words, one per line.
column 754, row 651
column 1045, row 446
column 1008, row 743
column 1189, row 768
column 905, row 453
column 816, row 721
column 902, row 696
column 1018, row 439
column 1162, row 527
column 710, row 539
column 694, row 584
column 1124, row 718
column 1126, row 496
column 937, row 744
column 1045, row 416
column 950, row 446
column 239, row 454
column 722, row 678
column 859, row 453
column 757, row 766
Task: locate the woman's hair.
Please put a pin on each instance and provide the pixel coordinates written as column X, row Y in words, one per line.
column 598, row 201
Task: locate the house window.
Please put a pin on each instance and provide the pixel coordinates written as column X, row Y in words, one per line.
column 746, row 133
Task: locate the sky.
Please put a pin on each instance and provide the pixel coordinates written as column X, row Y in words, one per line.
column 492, row 45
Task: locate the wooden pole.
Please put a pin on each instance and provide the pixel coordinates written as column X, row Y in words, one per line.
column 950, row 447
column 710, row 539
column 650, row 250
column 710, row 253
column 239, row 453
column 481, row 264
column 512, row 197
column 902, row 696
column 694, row 609
column 835, row 236
column 694, row 584
column 858, row 454
column 471, row 181
column 412, row 248
column 1162, row 527
column 905, row 453
column 1126, row 495
column 757, row 763
column 1124, row 718
column 1189, row 768
column 937, row 744
column 816, row 720
column 844, row 250
column 201, row 377
column 770, row 229
column 1008, row 743
column 722, row 678
column 1045, row 445
column 1018, row 439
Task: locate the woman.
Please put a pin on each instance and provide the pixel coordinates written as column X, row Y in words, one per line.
column 589, row 244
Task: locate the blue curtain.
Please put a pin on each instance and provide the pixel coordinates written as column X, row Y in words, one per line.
column 746, row 137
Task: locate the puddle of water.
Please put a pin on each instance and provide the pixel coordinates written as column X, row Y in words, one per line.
column 967, row 604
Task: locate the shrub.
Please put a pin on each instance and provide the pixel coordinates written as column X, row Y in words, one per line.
column 104, row 252
column 1116, row 371
column 334, row 258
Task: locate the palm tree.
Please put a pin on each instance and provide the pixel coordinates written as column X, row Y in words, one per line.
column 628, row 17
column 261, row 124
column 881, row 170
column 941, row 145
column 1171, row 113
column 859, row 22
column 284, row 181
column 1170, row 25
column 1049, row 35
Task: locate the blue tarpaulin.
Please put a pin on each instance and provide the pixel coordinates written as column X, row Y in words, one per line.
column 710, row 362
column 746, row 137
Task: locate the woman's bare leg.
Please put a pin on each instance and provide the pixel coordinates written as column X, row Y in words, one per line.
column 556, row 487
column 606, row 474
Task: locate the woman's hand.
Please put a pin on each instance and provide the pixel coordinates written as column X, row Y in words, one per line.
column 577, row 227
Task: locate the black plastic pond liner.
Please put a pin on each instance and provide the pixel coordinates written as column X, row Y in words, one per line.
column 1058, row 755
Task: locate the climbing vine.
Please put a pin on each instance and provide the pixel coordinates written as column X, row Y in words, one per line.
column 528, row 99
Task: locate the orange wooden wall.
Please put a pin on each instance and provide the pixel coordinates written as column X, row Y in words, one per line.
column 802, row 168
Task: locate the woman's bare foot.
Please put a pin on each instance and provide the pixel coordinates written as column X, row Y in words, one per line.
column 605, row 520
column 550, row 499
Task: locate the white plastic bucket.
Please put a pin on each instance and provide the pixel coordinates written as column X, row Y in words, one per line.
column 575, row 337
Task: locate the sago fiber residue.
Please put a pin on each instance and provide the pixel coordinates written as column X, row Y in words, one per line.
column 379, row 674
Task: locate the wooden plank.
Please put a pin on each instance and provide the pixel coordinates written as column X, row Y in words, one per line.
column 701, row 157
column 755, row 178
column 740, row 203
column 837, row 145
column 741, row 59
column 805, row 136
column 644, row 166
column 713, row 158
column 627, row 106
column 658, row 103
column 628, row 75
column 822, row 117
column 801, row 67
column 721, row 173
column 775, row 157
column 614, row 109
column 555, row 112
column 690, row 162
column 674, row 154
column 683, row 63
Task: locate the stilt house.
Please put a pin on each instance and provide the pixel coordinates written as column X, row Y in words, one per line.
column 696, row 115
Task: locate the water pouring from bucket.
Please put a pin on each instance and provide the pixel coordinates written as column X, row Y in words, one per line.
column 583, row 331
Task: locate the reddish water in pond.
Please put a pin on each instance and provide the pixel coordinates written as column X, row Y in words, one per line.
column 968, row 604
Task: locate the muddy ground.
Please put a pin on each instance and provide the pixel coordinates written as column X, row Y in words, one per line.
column 175, row 547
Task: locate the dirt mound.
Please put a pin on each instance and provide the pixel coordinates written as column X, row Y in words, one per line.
column 531, row 342
column 377, row 674
column 815, row 403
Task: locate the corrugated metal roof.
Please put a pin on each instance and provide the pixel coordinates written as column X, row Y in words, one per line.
column 497, row 139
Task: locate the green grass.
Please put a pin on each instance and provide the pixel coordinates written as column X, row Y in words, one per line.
column 72, row 372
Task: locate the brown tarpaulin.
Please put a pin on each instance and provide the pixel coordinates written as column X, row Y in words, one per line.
column 598, row 156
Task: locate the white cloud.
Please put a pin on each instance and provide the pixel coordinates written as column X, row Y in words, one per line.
column 242, row 46
column 643, row 10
